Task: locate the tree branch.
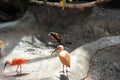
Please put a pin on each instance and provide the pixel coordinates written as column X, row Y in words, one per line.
column 81, row 6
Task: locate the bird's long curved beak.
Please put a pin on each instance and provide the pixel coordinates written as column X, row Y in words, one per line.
column 54, row 51
column 5, row 65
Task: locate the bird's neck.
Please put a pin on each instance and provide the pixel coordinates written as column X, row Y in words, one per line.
column 9, row 62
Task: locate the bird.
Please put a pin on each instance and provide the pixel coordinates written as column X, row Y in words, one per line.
column 16, row 61
column 57, row 38
column 1, row 43
column 64, row 57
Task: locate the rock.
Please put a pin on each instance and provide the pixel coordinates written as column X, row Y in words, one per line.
column 25, row 37
column 105, row 65
column 48, row 67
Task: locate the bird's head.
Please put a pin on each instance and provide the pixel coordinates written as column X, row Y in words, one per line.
column 51, row 33
column 54, row 34
column 7, row 62
column 59, row 48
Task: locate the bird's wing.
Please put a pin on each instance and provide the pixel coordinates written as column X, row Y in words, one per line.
column 65, row 58
column 19, row 61
column 55, row 36
column 68, row 59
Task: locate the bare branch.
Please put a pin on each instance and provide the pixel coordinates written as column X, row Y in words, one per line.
column 81, row 6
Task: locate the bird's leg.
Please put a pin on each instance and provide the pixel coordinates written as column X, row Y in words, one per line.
column 20, row 68
column 66, row 69
column 17, row 68
column 62, row 69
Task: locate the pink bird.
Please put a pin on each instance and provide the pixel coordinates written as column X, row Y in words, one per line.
column 64, row 57
column 16, row 61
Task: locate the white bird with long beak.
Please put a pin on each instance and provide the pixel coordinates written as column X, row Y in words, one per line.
column 64, row 57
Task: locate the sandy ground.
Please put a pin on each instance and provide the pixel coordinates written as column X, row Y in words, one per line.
column 38, row 58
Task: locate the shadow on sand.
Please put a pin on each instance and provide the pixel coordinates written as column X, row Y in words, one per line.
column 63, row 77
column 19, row 75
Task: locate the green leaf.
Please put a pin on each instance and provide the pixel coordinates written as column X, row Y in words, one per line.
column 70, row 0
